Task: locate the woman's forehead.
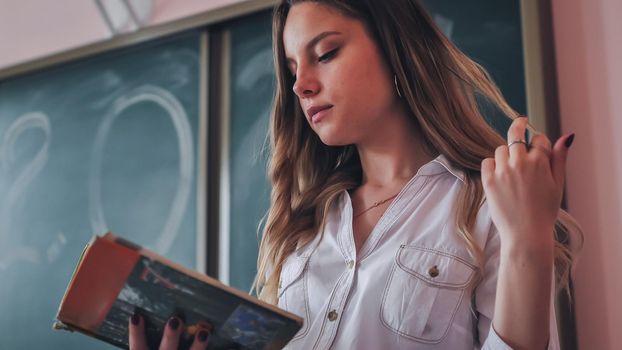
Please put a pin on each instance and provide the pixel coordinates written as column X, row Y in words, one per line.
column 306, row 20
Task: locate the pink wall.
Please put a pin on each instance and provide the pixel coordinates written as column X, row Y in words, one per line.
column 589, row 60
column 34, row 28
column 31, row 29
column 167, row 10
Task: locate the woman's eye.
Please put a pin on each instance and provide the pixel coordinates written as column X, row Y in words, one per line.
column 327, row 56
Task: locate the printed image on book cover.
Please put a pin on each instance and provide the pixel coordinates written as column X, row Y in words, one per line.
column 158, row 292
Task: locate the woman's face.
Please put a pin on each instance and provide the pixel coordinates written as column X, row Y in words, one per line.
column 338, row 69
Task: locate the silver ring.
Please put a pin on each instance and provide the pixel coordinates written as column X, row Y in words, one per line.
column 518, row 141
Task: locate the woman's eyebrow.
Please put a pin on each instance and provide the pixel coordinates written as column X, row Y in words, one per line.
column 314, row 42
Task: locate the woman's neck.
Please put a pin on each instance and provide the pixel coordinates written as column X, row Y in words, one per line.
column 393, row 155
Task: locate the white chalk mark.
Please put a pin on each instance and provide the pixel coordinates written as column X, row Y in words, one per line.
column 176, row 112
column 19, row 254
column 257, row 67
column 32, row 120
column 56, row 247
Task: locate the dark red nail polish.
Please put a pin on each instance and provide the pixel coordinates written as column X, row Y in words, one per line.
column 203, row 336
column 135, row 319
column 173, row 323
column 569, row 141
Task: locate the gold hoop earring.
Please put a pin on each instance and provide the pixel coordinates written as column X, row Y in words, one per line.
column 397, row 88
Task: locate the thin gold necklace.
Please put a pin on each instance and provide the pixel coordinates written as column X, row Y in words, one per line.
column 376, row 204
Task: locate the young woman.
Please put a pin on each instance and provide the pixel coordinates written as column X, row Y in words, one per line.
column 399, row 218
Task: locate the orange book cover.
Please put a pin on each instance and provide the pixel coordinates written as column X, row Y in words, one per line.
column 115, row 278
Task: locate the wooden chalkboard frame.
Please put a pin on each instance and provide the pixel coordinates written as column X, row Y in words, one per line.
column 203, row 19
column 540, row 67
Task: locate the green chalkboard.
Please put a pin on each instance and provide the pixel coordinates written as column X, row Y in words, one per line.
column 105, row 143
column 252, row 85
column 489, row 31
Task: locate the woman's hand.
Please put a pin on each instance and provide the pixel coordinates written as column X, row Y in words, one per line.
column 524, row 187
column 170, row 340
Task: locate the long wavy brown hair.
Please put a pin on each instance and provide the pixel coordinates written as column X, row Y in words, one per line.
column 440, row 85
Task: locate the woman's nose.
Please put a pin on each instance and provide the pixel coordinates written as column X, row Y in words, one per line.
column 306, row 86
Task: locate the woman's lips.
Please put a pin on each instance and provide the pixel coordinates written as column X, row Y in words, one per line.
column 321, row 114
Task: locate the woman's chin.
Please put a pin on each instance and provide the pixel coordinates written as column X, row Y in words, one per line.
column 333, row 135
column 333, row 141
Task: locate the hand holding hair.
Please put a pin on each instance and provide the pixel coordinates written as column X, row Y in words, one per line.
column 524, row 185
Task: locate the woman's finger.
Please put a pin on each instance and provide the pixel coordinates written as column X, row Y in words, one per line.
column 559, row 156
column 200, row 340
column 172, row 332
column 516, row 132
column 488, row 170
column 501, row 157
column 138, row 340
column 540, row 143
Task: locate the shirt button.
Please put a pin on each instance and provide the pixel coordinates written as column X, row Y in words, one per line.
column 332, row 315
column 433, row 271
column 350, row 264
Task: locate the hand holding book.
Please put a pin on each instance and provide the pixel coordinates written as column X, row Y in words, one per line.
column 172, row 335
column 172, row 307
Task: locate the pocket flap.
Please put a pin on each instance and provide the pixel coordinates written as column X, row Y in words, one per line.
column 435, row 267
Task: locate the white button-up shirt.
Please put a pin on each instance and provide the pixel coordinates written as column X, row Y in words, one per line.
column 408, row 287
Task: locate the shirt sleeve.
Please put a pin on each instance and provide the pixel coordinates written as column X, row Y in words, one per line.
column 484, row 300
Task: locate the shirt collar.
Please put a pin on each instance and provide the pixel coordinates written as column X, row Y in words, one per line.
column 441, row 164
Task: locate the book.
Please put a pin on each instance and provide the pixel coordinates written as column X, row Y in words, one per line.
column 115, row 278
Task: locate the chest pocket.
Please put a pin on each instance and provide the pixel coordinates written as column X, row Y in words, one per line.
column 423, row 293
column 293, row 292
